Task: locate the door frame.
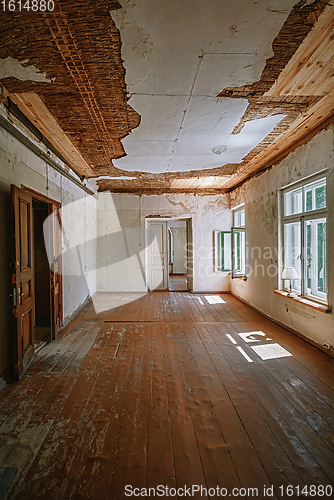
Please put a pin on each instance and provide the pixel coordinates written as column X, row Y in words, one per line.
column 53, row 206
column 190, row 254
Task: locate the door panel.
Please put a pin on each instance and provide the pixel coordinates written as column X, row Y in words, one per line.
column 25, row 234
column 26, row 320
column 26, row 291
column 22, row 280
column 157, row 255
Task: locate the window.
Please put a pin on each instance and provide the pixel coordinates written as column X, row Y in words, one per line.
column 304, row 236
column 223, row 250
column 238, row 243
column 230, row 246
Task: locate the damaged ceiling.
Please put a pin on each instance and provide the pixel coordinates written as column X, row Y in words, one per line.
column 170, row 97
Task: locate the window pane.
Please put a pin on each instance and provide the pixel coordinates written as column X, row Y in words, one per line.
column 320, row 197
column 309, row 203
column 242, row 218
column 316, row 276
column 308, row 256
column 225, row 251
column 315, row 195
column 321, row 269
column 239, row 263
column 293, row 202
column 239, row 218
column 292, row 251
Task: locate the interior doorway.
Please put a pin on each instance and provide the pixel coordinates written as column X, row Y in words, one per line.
column 42, row 287
column 169, row 254
column 36, row 277
column 178, row 255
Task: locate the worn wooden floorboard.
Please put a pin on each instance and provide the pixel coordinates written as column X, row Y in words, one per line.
column 160, row 454
column 188, row 465
column 178, row 316
column 130, row 459
column 245, row 458
column 216, row 460
column 275, row 461
column 96, row 469
column 171, row 389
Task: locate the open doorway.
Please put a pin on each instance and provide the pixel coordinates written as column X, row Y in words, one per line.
column 178, row 255
column 36, row 288
column 169, row 256
column 42, row 288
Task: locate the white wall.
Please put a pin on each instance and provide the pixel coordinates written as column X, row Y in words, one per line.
column 121, row 237
column 260, row 196
column 19, row 166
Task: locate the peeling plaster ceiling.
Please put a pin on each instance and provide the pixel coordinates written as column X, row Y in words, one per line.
column 151, row 96
column 178, row 56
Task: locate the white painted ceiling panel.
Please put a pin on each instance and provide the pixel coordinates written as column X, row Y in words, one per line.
column 226, row 70
column 208, row 123
column 160, row 118
column 145, row 163
column 156, row 148
column 177, row 56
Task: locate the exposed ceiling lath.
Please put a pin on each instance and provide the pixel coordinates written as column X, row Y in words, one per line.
column 78, row 47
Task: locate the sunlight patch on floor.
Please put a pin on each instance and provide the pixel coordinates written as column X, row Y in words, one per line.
column 270, row 351
column 252, row 336
column 240, row 349
column 214, row 299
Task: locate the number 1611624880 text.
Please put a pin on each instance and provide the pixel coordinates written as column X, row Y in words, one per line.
column 27, row 5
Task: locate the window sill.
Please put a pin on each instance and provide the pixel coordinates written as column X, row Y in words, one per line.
column 306, row 302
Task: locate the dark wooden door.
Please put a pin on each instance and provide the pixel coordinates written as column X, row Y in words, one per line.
column 55, row 245
column 22, row 280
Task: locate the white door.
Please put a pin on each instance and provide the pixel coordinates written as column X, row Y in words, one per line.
column 157, row 255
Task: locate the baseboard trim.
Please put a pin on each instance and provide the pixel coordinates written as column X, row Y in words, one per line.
column 282, row 325
column 78, row 311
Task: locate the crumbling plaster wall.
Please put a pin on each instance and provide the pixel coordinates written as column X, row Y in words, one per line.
column 260, row 196
column 121, row 245
column 20, row 166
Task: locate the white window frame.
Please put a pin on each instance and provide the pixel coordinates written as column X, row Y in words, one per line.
column 230, row 246
column 218, row 251
column 240, row 229
column 302, row 218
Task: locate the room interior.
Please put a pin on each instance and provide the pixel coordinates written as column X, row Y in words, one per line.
column 166, row 179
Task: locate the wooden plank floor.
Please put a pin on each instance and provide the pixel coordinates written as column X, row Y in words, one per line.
column 171, row 389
